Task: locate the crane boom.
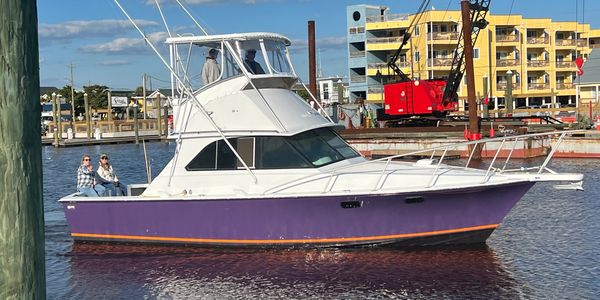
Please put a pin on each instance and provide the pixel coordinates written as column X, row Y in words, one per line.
column 479, row 10
column 405, row 38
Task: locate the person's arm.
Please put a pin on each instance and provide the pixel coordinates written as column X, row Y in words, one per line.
column 100, row 178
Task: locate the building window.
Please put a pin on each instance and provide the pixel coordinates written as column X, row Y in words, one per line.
column 475, row 53
column 356, row 16
column 416, row 33
column 417, row 56
column 325, row 91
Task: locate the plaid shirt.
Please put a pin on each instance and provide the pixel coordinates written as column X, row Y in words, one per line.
column 85, row 177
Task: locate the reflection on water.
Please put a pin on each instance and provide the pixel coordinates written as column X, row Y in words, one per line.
column 186, row 272
column 545, row 248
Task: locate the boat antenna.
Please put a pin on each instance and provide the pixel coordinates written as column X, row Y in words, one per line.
column 188, row 91
column 191, row 16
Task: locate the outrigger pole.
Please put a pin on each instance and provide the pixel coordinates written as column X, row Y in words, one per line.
column 188, row 91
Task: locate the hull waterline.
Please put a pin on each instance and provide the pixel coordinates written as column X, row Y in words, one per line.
column 434, row 218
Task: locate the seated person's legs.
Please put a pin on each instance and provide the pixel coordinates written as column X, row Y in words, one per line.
column 88, row 191
column 121, row 189
column 100, row 189
column 110, row 187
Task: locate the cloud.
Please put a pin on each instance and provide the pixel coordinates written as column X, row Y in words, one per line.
column 114, row 62
column 127, row 45
column 67, row 31
column 324, row 44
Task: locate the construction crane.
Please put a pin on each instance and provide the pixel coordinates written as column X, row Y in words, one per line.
column 406, row 98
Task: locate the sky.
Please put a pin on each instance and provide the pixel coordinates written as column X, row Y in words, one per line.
column 104, row 48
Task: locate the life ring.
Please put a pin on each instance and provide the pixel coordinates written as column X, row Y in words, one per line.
column 342, row 115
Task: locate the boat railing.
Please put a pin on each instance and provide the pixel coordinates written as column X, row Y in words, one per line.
column 494, row 167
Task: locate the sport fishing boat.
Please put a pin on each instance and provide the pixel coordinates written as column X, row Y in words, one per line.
column 256, row 165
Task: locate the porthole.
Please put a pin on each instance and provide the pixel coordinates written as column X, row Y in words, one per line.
column 356, row 16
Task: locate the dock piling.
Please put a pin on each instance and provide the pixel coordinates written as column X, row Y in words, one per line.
column 22, row 261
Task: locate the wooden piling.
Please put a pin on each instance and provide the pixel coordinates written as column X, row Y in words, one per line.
column 158, row 115
column 22, row 262
column 88, row 121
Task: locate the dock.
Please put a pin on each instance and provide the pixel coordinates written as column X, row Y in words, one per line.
column 103, row 141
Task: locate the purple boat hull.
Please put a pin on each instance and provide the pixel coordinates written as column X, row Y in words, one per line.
column 430, row 218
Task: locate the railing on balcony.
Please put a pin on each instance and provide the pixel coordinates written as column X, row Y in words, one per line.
column 355, row 30
column 564, row 85
column 441, row 62
column 385, row 40
column 358, row 78
column 538, row 63
column 501, row 86
column 538, row 40
column 444, row 35
column 385, row 18
column 538, row 86
column 565, row 64
column 594, row 45
column 400, row 64
column 357, row 54
column 565, row 42
column 507, row 38
column 582, row 43
column 507, row 62
column 375, row 90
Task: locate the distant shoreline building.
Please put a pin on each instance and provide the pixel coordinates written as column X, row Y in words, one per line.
column 540, row 53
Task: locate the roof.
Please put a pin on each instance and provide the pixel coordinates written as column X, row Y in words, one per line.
column 591, row 68
column 208, row 39
column 47, row 90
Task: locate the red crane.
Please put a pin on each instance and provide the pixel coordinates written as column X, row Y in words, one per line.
column 406, row 98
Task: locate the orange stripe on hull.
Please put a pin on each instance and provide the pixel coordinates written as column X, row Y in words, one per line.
column 292, row 241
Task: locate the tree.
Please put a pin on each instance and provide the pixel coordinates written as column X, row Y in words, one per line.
column 97, row 95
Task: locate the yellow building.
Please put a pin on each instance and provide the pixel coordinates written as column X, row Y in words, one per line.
column 540, row 54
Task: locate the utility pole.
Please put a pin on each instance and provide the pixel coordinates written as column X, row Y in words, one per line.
column 55, row 118
column 71, row 66
column 109, row 115
column 22, row 261
column 468, row 52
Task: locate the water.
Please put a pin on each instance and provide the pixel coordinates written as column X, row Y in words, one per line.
column 547, row 248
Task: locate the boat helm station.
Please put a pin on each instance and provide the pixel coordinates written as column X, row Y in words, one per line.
column 255, row 55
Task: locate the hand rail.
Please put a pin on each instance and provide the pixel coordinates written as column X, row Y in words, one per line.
column 385, row 171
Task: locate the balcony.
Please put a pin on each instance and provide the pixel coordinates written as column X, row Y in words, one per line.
column 502, row 85
column 358, row 79
column 507, row 62
column 386, row 18
column 594, row 45
column 441, row 62
column 540, row 40
column 385, row 40
column 375, row 90
column 537, row 63
column 507, row 38
column 565, row 64
column 400, row 64
column 438, row 36
column 354, row 54
column 538, row 86
column 564, row 85
column 565, row 42
column 582, row 43
column 356, row 30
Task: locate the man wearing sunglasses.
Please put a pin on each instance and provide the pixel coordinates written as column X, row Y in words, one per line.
column 85, row 179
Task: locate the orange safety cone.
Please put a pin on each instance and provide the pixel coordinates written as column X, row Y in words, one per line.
column 492, row 131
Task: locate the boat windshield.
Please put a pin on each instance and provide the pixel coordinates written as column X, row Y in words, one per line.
column 262, row 57
column 310, row 149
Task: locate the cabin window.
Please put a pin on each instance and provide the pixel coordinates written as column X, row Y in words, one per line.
column 313, row 148
column 275, row 152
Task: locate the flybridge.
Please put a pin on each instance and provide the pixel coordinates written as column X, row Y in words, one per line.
column 231, row 37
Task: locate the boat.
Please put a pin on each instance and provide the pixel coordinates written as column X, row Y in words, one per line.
column 256, row 165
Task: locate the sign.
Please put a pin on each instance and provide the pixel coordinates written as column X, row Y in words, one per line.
column 119, row 101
